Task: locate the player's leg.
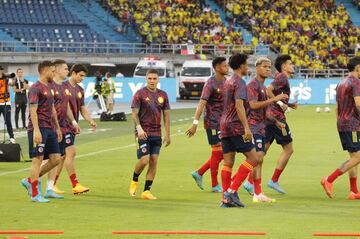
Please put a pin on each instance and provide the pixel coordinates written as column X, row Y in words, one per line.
column 215, row 159
column 285, row 140
column 354, row 192
column 57, row 175
column 17, row 110
column 150, row 176
column 23, row 114
column 50, row 193
column 259, row 196
column 346, row 166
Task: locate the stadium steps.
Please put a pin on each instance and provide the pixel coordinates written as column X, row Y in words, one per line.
column 215, row 7
column 354, row 13
column 6, row 37
column 92, row 14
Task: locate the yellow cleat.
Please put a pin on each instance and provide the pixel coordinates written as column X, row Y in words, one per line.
column 57, row 190
column 133, row 188
column 147, row 195
column 78, row 189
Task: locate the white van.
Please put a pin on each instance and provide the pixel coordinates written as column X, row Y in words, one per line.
column 193, row 75
column 165, row 68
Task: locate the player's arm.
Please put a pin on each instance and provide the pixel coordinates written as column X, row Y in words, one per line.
column 166, row 115
column 54, row 119
column 270, row 94
column 17, row 90
column 240, row 111
column 357, row 102
column 135, row 117
column 254, row 104
column 71, row 119
column 85, row 114
column 200, row 108
column 35, row 123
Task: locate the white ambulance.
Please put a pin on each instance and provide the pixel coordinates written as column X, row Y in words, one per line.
column 164, row 67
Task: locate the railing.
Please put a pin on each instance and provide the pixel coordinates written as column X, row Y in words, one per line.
column 129, row 48
column 323, row 73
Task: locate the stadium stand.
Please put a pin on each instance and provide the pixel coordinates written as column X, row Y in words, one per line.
column 317, row 34
column 35, row 21
column 174, row 21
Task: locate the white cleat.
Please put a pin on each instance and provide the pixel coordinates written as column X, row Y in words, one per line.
column 262, row 198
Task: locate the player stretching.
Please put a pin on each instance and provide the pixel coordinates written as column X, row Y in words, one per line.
column 212, row 100
column 348, row 124
column 280, row 132
column 147, row 105
column 77, row 106
column 258, row 103
column 235, row 133
column 41, row 136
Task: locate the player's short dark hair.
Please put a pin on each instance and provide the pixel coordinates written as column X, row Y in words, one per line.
column 19, row 69
column 280, row 60
column 79, row 68
column 353, row 62
column 217, row 61
column 152, row 71
column 236, row 60
column 58, row 62
column 44, row 64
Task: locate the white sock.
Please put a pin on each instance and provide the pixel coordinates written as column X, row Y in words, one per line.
column 50, row 185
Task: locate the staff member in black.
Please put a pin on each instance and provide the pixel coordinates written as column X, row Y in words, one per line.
column 5, row 103
column 20, row 87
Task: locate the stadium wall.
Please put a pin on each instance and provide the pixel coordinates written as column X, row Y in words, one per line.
column 309, row 91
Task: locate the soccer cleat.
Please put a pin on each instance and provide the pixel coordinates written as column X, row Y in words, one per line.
column 25, row 183
column 57, row 190
column 39, row 198
column 133, row 188
column 216, row 189
column 233, row 198
column 276, row 186
column 354, row 196
column 39, row 187
column 78, row 189
column 51, row 194
column 147, row 195
column 227, row 204
column 327, row 187
column 198, row 179
column 262, row 198
column 249, row 187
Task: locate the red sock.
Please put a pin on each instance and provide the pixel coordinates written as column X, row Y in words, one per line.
column 29, row 180
column 73, row 179
column 215, row 159
column 257, row 186
column 204, row 168
column 276, row 175
column 353, row 185
column 34, row 188
column 250, row 178
column 241, row 175
column 226, row 177
column 331, row 178
column 56, row 178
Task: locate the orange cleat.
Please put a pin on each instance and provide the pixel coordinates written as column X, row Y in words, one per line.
column 327, row 187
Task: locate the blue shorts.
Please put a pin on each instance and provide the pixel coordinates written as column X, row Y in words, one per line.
column 49, row 143
column 259, row 143
column 350, row 141
column 67, row 140
column 213, row 136
column 236, row 144
column 282, row 137
column 149, row 146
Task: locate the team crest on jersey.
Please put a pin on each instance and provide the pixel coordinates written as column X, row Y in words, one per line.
column 56, row 92
column 45, row 93
column 67, row 92
column 147, row 99
column 161, row 100
column 79, row 95
column 218, row 90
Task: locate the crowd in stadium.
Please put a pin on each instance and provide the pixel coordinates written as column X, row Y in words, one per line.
column 317, row 35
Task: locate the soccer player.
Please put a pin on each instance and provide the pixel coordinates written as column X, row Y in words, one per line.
column 258, row 103
column 212, row 100
column 41, row 136
column 275, row 131
column 61, row 101
column 77, row 106
column 147, row 105
column 348, row 124
column 235, row 132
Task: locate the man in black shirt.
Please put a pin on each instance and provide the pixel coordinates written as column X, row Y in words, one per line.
column 20, row 87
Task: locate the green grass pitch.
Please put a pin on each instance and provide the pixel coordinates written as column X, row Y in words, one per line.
column 106, row 161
